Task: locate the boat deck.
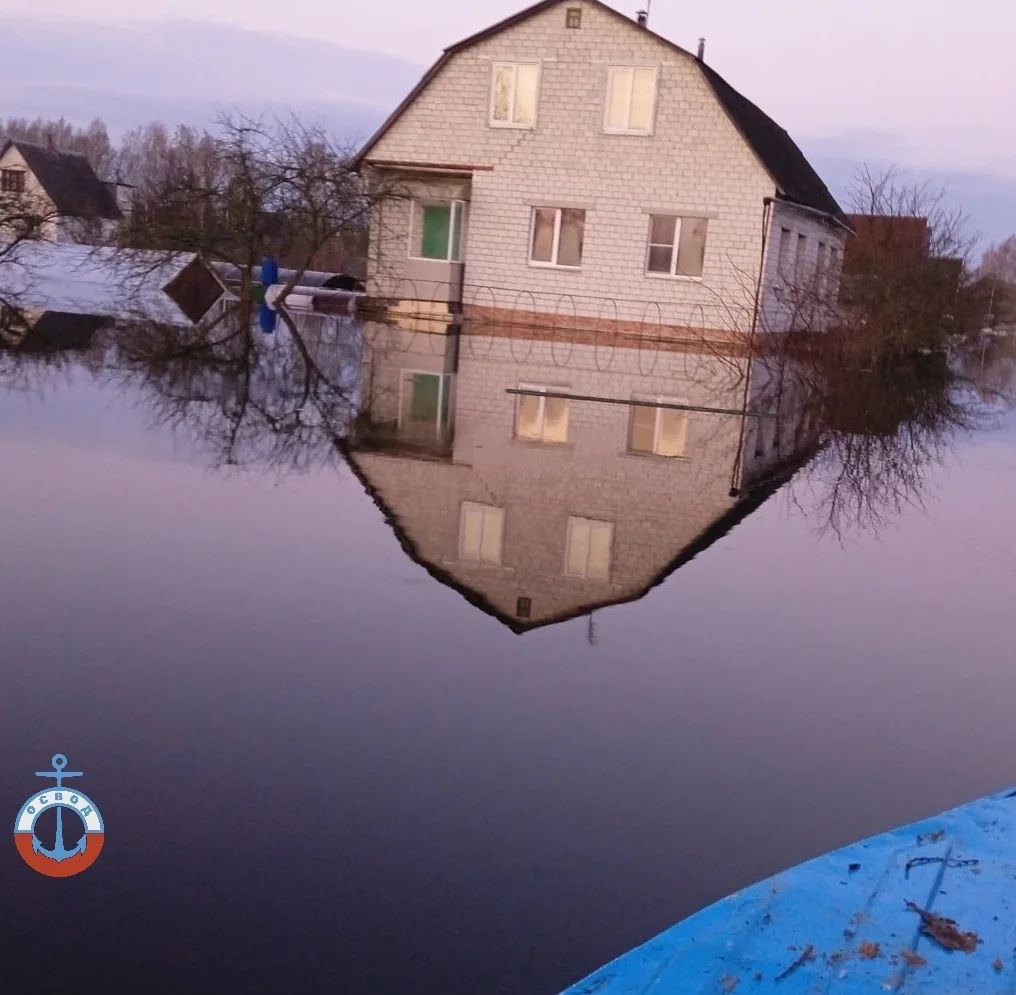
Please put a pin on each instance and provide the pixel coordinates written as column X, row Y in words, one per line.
column 924, row 908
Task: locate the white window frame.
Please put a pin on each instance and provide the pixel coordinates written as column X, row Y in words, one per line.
column 609, row 129
column 455, row 205
column 444, row 387
column 654, row 402
column 491, row 120
column 672, row 273
column 541, row 439
column 484, row 508
column 574, row 520
column 556, row 246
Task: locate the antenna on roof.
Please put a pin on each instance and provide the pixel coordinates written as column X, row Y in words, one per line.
column 642, row 16
column 701, row 50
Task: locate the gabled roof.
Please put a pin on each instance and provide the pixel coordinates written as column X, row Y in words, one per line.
column 69, row 181
column 795, row 179
column 753, row 499
column 785, row 162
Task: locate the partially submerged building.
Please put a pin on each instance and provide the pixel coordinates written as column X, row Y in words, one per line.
column 173, row 288
column 568, row 161
column 63, row 189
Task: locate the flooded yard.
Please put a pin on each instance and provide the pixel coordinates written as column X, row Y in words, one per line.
column 403, row 662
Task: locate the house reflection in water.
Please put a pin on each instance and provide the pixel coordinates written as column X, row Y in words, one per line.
column 36, row 330
column 543, row 478
column 540, row 474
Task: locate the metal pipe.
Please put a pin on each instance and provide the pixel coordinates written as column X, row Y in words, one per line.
column 629, row 402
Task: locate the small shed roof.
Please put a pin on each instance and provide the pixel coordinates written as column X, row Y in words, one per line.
column 174, row 288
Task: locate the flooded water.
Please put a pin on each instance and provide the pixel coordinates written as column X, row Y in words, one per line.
column 389, row 678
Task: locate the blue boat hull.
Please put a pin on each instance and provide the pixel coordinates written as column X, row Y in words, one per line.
column 841, row 923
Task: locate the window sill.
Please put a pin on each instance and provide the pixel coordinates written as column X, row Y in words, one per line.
column 679, row 277
column 625, row 132
column 428, row 259
column 543, row 443
column 567, row 269
column 510, row 126
column 656, row 457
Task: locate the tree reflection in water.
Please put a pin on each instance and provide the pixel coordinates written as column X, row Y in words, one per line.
column 885, row 430
column 308, row 396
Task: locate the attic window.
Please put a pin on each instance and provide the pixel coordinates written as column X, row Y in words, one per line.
column 573, row 17
column 515, row 94
column 12, row 180
column 631, row 100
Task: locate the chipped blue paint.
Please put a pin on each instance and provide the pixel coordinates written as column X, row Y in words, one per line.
column 814, row 928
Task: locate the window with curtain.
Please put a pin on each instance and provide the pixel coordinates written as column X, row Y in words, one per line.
column 481, row 533
column 541, row 418
column 677, row 246
column 631, row 100
column 437, row 230
column 588, row 549
column 557, row 237
column 424, row 403
column 657, row 430
column 515, row 94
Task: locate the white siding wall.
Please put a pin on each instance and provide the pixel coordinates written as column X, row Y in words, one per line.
column 778, row 310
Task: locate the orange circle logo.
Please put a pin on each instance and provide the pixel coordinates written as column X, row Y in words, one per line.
column 77, row 820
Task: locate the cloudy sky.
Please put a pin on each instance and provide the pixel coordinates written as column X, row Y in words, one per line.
column 924, row 83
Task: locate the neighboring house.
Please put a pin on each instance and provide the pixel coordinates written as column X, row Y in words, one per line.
column 881, row 236
column 62, row 187
column 540, row 508
column 569, row 160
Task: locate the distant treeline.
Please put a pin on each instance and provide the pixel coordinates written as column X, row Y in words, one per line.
column 233, row 191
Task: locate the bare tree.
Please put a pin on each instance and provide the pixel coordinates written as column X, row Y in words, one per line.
column 999, row 261
column 246, row 189
column 91, row 141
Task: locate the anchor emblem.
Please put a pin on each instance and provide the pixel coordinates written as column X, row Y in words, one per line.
column 59, row 860
column 59, row 851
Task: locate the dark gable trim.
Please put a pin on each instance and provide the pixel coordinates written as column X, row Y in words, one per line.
column 795, row 178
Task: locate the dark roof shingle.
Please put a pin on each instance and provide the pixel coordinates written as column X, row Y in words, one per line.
column 69, row 181
column 786, row 163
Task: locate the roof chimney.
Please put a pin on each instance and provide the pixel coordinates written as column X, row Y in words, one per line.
column 642, row 17
column 701, row 50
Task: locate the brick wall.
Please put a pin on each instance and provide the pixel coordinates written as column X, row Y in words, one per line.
column 694, row 163
column 658, row 506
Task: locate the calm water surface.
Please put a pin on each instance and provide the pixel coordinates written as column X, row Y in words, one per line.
column 337, row 751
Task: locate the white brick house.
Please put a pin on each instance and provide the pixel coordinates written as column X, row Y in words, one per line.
column 570, row 160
